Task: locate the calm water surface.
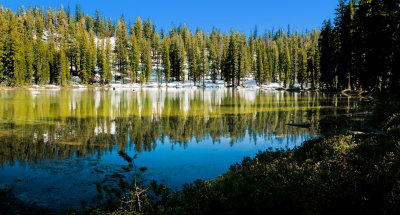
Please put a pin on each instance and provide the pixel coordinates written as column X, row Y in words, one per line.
column 55, row 145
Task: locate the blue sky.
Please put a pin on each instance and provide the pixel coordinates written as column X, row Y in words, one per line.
column 242, row 15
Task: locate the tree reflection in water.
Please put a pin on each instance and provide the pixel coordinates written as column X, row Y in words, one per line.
column 55, row 145
column 42, row 125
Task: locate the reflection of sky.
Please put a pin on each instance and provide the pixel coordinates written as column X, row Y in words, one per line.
column 203, row 160
column 65, row 183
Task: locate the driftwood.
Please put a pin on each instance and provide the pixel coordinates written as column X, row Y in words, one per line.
column 301, row 125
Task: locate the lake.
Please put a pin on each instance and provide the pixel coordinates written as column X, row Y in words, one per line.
column 56, row 144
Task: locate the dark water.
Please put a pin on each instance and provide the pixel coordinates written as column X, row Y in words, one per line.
column 55, row 145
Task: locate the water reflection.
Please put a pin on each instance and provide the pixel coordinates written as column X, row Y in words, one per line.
column 181, row 135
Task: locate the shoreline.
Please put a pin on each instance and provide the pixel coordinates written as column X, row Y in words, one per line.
column 186, row 86
column 172, row 85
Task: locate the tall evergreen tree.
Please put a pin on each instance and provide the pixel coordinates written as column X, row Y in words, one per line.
column 214, row 55
column 147, row 64
column 121, row 45
column 28, row 45
column 63, row 68
column 260, row 62
column 2, row 40
column 13, row 55
column 231, row 60
column 165, row 59
column 134, row 58
column 108, row 62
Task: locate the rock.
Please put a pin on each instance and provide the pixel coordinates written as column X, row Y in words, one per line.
column 76, row 80
column 355, row 132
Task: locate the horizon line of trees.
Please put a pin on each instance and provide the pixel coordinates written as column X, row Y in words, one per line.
column 55, row 46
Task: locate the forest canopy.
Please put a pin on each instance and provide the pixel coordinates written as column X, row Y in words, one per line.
column 357, row 51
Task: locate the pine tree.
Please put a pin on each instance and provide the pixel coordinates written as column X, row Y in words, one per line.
column 157, row 54
column 28, row 46
column 214, row 55
column 268, row 66
column 108, row 62
column 20, row 56
column 224, row 56
column 193, row 58
column 121, row 45
column 302, row 72
column 231, row 60
column 2, row 38
column 286, row 65
column 40, row 63
column 110, row 28
column 78, row 13
column 138, row 29
column 295, row 59
column 344, row 21
column 260, row 64
column 147, row 66
column 317, row 68
column 83, row 57
column 134, row 58
column 275, row 57
column 147, row 29
column 165, row 59
column 13, row 55
column 177, row 57
column 98, row 24
column 61, row 28
column 204, row 66
column 243, row 60
column 92, row 54
column 63, row 68
column 101, row 60
column 52, row 59
column 327, row 60
column 281, row 58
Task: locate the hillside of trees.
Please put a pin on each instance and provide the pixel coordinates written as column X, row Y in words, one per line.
column 358, row 51
column 52, row 46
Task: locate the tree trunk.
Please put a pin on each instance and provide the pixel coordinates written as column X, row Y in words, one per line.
column 348, row 81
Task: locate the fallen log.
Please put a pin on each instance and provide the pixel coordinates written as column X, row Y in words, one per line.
column 301, row 125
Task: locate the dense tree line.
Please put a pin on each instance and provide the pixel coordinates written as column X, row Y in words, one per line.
column 357, row 51
column 360, row 49
column 43, row 47
column 39, row 46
